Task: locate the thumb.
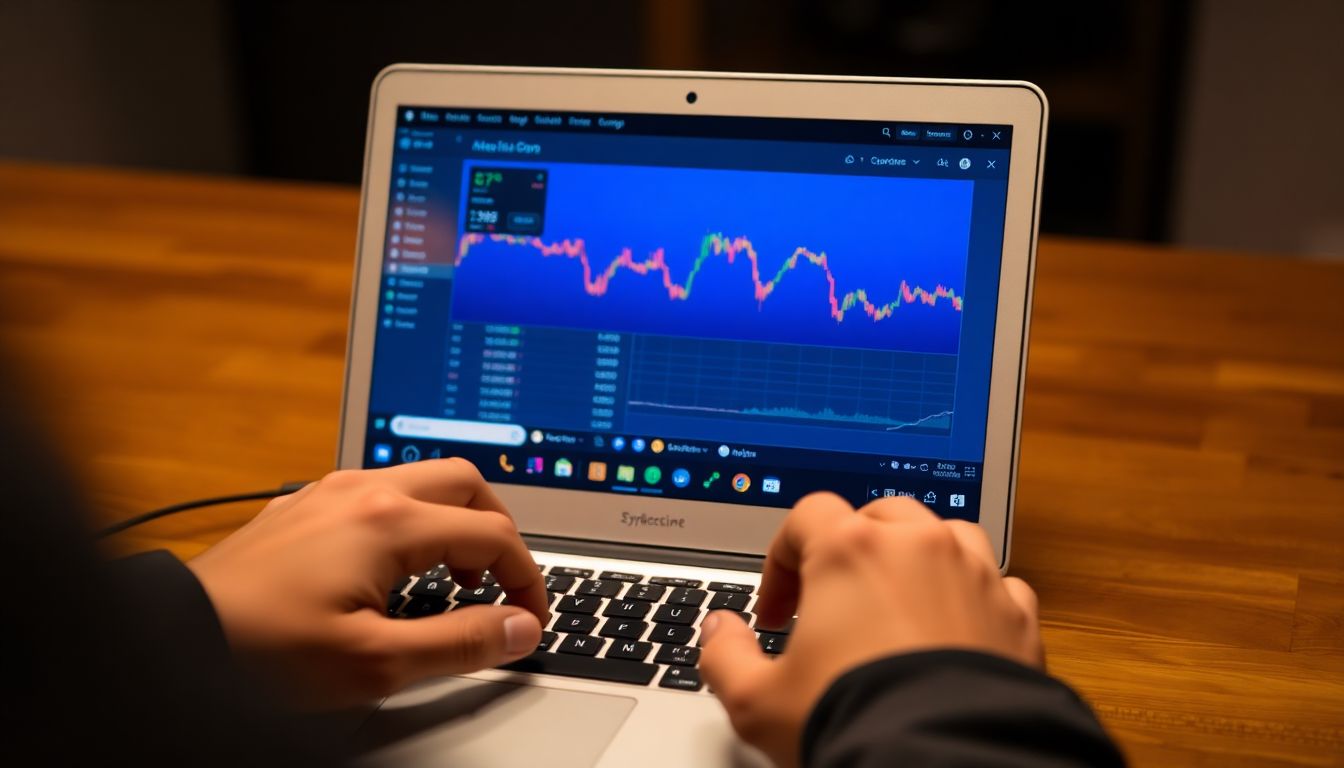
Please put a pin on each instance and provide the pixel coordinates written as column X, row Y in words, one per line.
column 730, row 659
column 464, row 640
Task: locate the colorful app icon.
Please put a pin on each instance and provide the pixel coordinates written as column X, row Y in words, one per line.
column 379, row 423
column 710, row 480
column 770, row 484
column 597, row 471
column 382, row 453
column 653, row 475
column 681, row 477
column 537, row 436
column 618, row 443
column 564, row 468
column 536, row 465
column 957, row 500
column 741, row 482
column 625, row 474
column 504, row 463
column 657, row 445
column 637, row 445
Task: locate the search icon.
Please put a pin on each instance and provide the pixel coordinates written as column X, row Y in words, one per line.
column 886, row 132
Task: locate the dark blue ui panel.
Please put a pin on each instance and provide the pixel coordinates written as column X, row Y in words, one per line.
column 739, row 312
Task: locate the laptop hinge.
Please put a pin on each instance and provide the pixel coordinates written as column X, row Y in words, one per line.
column 694, row 557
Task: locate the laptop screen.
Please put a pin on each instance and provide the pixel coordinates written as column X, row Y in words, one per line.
column 740, row 310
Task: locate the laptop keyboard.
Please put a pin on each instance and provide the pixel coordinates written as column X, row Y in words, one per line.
column 613, row 626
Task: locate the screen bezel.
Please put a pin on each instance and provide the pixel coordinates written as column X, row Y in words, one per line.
column 711, row 526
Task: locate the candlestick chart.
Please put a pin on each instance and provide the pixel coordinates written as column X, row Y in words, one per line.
column 761, row 297
column 864, row 262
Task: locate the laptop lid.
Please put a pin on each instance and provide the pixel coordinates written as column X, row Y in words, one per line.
column 659, row 308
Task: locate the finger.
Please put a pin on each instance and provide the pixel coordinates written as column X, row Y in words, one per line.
column 730, row 659
column 464, row 640
column 452, row 482
column 898, row 509
column 811, row 516
column 974, row 540
column 1025, row 597
column 423, row 535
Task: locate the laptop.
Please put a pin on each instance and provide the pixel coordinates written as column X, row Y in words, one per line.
column 656, row 309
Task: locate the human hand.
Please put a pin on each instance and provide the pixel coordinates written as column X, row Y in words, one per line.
column 891, row 578
column 301, row 590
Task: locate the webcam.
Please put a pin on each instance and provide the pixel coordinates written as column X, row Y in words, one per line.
column 691, row 97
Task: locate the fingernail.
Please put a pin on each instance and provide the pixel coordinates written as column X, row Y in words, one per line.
column 520, row 638
column 708, row 626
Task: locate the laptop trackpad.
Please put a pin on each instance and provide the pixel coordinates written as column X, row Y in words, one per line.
column 464, row 723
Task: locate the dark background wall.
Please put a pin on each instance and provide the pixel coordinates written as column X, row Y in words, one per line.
column 1150, row 100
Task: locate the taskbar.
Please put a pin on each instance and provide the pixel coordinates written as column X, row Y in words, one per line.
column 653, row 467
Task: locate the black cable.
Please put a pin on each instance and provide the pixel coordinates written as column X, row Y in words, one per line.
column 196, row 504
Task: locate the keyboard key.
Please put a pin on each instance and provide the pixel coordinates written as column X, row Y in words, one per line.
column 676, row 614
column 674, row 581
column 488, row 580
column 619, row 576
column 406, row 582
column 547, row 640
column 610, row 670
column 628, row 649
column 559, row 583
column 772, row 643
column 580, row 645
column 681, row 678
column 428, row 587
column 678, row 655
column 725, row 586
column 626, row 629
column 439, row 571
column 564, row 570
column 784, row 630
column 687, row 596
column 598, row 588
column 576, row 604
column 418, row 607
column 648, row 592
column 671, row 634
column 574, row 623
column 732, row 601
column 626, row 609
column 481, row 595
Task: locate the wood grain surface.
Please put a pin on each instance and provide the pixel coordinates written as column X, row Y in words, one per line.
column 1181, row 507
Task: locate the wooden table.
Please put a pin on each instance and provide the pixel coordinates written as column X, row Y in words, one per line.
column 1181, row 510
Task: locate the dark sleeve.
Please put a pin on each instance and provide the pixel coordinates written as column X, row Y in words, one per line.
column 953, row 708
column 114, row 662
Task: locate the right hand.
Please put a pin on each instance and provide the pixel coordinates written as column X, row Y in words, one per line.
column 891, row 578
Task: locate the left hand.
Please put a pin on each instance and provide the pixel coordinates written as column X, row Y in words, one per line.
column 301, row 590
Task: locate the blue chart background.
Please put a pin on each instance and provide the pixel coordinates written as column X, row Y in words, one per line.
column 876, row 232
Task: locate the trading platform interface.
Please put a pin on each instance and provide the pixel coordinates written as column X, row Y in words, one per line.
column 708, row 308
